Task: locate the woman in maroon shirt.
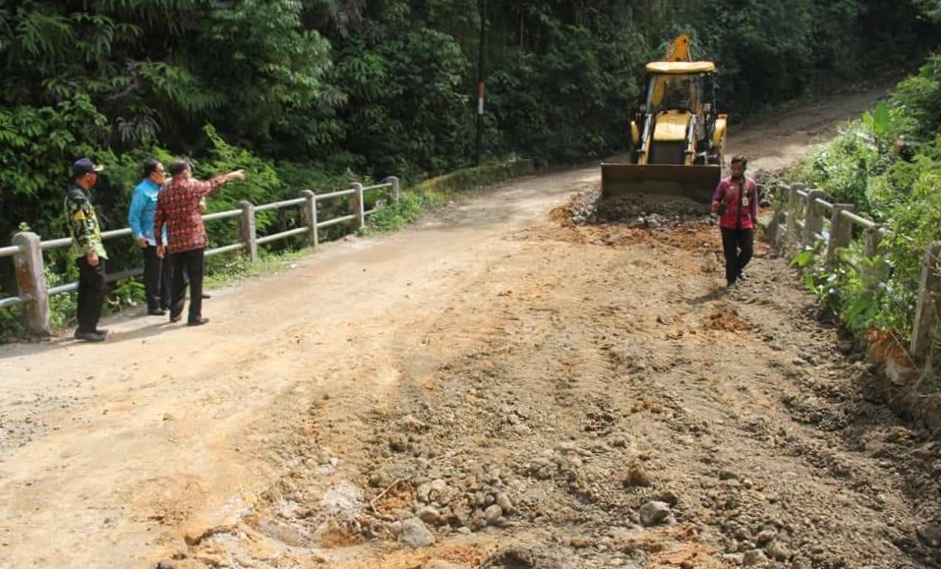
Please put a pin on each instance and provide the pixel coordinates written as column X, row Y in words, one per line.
column 736, row 201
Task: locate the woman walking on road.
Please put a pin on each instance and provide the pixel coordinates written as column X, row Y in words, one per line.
column 736, row 202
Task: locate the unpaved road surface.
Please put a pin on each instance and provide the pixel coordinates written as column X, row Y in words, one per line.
column 497, row 387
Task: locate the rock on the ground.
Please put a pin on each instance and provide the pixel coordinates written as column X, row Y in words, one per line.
column 635, row 475
column 778, row 551
column 767, row 536
column 754, row 558
column 930, row 536
column 492, row 514
column 505, row 503
column 653, row 513
column 429, row 515
column 415, row 534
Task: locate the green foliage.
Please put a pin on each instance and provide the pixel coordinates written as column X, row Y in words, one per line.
column 843, row 167
column 918, row 102
column 431, row 193
column 396, row 215
column 126, row 292
column 62, row 307
column 879, row 121
column 888, row 165
column 232, row 270
column 851, row 290
column 11, row 323
column 559, row 105
column 929, row 8
column 261, row 183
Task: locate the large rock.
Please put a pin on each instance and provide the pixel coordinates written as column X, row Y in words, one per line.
column 429, row 515
column 778, row 551
column 654, row 513
column 492, row 514
column 505, row 503
column 415, row 534
column 754, row 558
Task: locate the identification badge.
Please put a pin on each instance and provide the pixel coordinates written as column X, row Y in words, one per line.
column 745, row 201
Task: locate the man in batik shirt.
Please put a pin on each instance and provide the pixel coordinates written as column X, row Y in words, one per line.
column 87, row 250
column 178, row 210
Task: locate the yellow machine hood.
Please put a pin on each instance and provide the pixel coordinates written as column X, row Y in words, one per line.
column 671, row 127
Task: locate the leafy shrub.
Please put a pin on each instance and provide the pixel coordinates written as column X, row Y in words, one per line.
column 888, row 165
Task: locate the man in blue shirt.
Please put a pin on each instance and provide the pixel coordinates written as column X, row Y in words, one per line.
column 140, row 218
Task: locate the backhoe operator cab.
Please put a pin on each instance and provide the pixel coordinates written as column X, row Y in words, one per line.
column 678, row 125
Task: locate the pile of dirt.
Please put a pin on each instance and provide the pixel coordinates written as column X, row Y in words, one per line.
column 649, row 210
column 725, row 317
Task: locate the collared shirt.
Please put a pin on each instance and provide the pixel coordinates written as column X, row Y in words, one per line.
column 140, row 216
column 741, row 203
column 83, row 224
column 178, row 212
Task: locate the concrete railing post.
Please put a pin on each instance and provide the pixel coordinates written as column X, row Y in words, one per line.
column 793, row 211
column 813, row 221
column 247, row 234
column 926, row 314
column 31, row 280
column 309, row 216
column 841, row 232
column 875, row 273
column 359, row 205
column 777, row 232
column 394, row 180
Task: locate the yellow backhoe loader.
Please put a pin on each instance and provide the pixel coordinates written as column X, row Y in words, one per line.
column 678, row 136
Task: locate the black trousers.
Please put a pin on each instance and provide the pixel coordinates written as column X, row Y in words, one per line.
column 187, row 265
column 158, row 276
column 91, row 293
column 738, row 246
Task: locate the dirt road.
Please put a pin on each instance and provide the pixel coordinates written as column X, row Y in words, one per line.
column 496, row 386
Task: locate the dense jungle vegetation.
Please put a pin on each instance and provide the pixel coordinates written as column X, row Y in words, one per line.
column 313, row 93
column 887, row 165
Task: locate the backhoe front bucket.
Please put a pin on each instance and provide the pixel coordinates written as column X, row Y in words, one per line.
column 659, row 180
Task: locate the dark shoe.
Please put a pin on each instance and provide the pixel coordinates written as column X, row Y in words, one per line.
column 198, row 322
column 206, row 296
column 157, row 312
column 102, row 331
column 89, row 336
column 742, row 276
column 176, row 317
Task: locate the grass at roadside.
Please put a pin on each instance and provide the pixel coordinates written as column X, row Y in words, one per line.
column 232, row 272
column 399, row 214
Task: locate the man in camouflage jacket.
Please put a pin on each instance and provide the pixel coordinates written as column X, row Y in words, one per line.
column 87, row 250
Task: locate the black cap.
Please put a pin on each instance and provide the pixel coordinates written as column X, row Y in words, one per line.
column 83, row 166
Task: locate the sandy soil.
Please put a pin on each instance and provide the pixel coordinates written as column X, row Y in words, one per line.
column 495, row 387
